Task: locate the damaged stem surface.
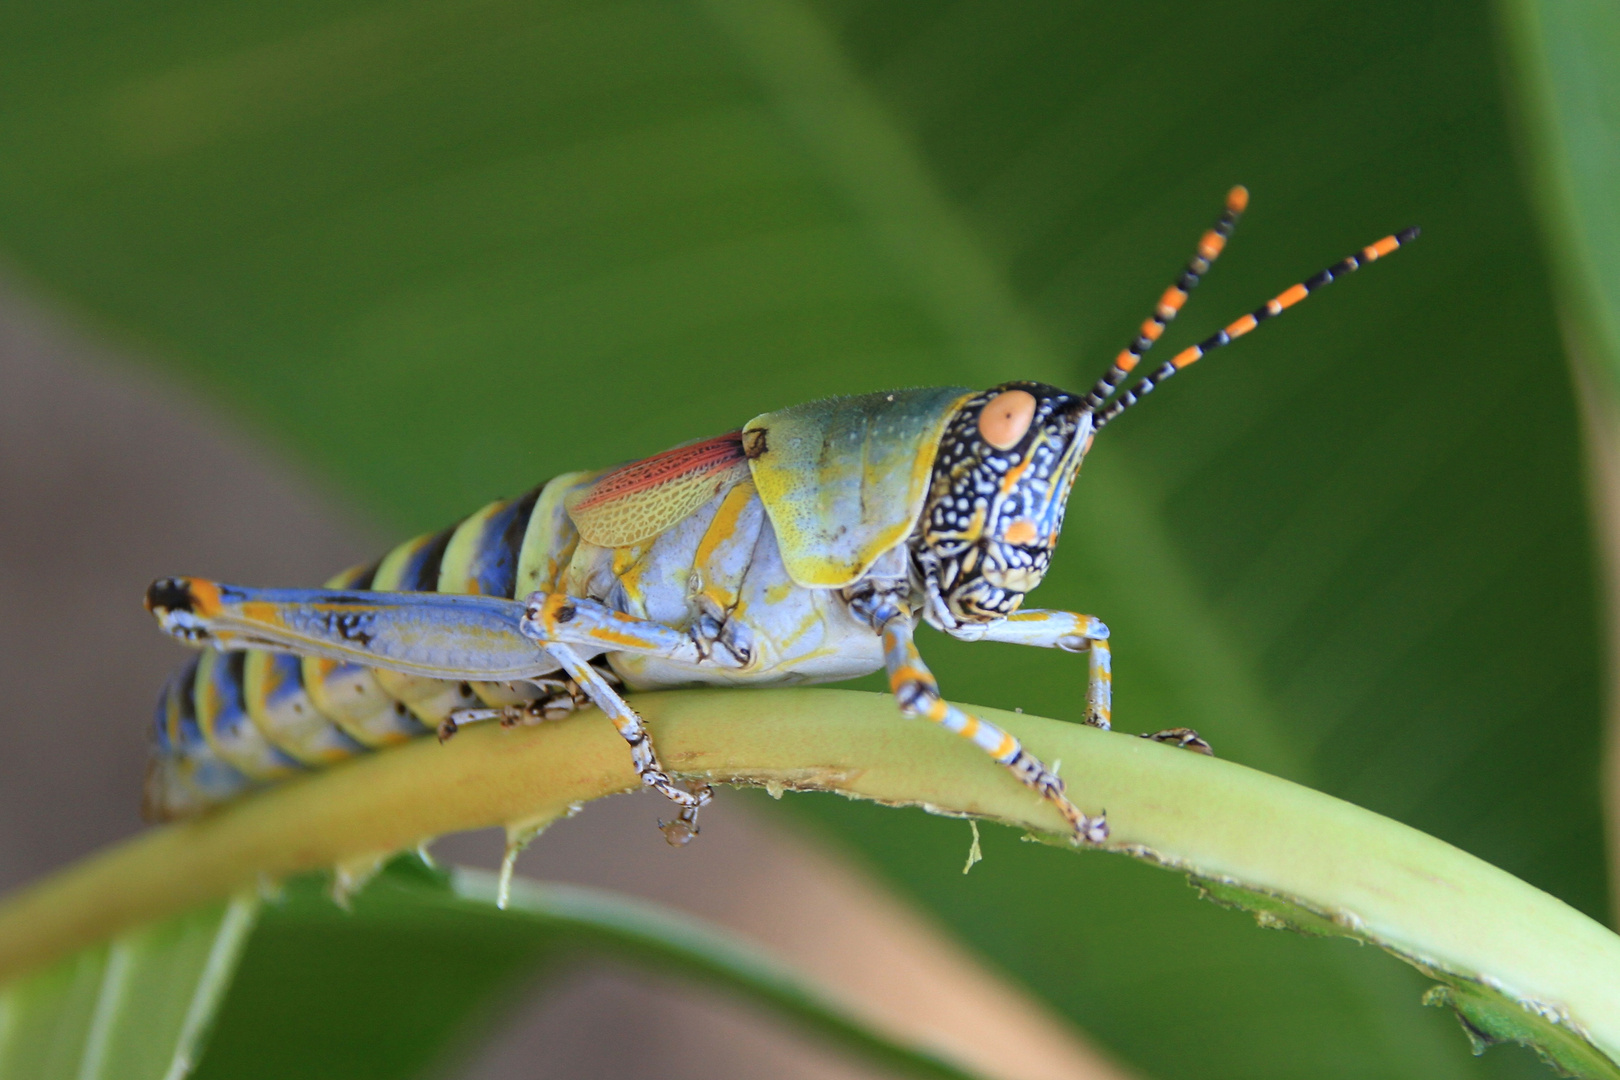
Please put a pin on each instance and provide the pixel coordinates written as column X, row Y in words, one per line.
column 1516, row 963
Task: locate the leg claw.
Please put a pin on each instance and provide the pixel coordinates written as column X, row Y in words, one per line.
column 1184, row 737
column 679, row 832
column 1093, row 830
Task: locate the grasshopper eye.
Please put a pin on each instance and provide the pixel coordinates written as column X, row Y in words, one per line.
column 1006, row 417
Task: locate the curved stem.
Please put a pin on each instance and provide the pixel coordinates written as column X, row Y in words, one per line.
column 1515, row 962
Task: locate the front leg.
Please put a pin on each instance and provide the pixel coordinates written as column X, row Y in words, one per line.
column 917, row 692
column 1058, row 630
column 1074, row 633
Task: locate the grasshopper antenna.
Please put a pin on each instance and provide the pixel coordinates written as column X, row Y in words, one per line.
column 1274, row 306
column 1209, row 249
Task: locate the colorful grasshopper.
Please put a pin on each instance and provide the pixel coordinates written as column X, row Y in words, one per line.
column 802, row 548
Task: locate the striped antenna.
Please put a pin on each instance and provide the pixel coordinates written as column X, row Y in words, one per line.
column 1209, row 249
column 1274, row 306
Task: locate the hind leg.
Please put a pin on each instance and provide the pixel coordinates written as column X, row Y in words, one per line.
column 448, row 637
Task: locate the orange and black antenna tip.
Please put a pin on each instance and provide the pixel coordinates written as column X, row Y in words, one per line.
column 1209, row 249
column 1275, row 306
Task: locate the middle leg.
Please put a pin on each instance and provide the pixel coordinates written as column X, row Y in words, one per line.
column 642, row 754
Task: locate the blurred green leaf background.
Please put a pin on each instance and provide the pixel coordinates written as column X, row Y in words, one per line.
column 441, row 249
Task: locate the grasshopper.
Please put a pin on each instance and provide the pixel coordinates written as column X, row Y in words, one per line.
column 803, row 547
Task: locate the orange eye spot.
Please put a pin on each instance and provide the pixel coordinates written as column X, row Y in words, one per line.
column 1022, row 532
column 1006, row 417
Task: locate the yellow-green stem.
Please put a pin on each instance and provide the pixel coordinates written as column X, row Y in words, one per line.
column 1519, row 962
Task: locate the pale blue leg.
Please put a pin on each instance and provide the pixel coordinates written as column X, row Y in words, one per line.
column 1059, row 630
column 917, row 693
column 1075, row 633
column 442, row 636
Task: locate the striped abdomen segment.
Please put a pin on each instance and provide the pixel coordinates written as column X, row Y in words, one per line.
column 230, row 721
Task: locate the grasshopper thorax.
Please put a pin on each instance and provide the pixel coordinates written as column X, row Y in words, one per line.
column 1006, row 463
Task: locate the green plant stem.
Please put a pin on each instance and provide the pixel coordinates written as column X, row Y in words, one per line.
column 1516, row 962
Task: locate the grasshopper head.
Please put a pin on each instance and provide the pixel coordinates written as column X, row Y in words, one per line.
column 1006, row 463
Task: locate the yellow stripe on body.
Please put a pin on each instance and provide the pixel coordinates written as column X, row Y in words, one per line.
column 550, row 539
column 629, row 564
column 392, row 568
column 456, row 567
column 719, row 567
column 350, row 696
column 458, row 573
column 723, row 526
column 294, row 723
column 245, row 746
column 431, row 700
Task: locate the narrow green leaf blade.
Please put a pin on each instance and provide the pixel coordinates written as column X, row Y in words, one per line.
column 137, row 1008
column 423, row 960
column 1566, row 86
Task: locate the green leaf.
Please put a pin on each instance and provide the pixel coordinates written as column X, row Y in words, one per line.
column 1568, row 97
column 137, row 1007
column 443, row 249
column 398, row 976
column 421, row 959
